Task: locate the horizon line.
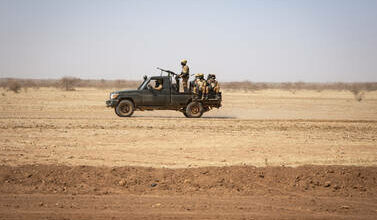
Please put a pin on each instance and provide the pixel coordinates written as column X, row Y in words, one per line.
column 299, row 81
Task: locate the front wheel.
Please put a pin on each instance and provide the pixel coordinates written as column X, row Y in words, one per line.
column 125, row 108
column 194, row 110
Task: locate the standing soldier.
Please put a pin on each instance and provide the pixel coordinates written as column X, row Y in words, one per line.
column 185, row 74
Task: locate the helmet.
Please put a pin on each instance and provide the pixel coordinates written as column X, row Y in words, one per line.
column 213, row 76
column 184, row 62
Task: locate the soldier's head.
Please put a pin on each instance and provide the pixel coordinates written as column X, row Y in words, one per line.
column 201, row 75
column 183, row 62
column 209, row 76
column 213, row 76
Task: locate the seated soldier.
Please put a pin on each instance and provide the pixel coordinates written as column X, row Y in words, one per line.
column 200, row 86
column 209, row 89
column 195, row 85
column 213, row 85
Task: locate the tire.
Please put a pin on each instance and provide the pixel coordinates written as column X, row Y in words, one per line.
column 125, row 108
column 194, row 110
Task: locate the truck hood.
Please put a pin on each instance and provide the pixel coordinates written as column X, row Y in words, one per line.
column 124, row 92
column 127, row 91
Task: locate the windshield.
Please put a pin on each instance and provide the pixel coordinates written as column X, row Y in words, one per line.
column 143, row 84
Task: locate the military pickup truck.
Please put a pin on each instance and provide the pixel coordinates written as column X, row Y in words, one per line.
column 147, row 98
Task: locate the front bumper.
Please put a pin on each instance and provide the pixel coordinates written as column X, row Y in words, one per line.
column 112, row 103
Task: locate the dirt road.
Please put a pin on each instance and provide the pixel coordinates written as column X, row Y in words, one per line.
column 63, row 155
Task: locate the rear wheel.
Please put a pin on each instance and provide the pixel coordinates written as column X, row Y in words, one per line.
column 194, row 110
column 125, row 108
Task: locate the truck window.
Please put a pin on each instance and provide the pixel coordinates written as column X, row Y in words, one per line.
column 156, row 84
column 143, row 85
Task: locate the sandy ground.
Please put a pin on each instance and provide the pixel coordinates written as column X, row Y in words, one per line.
column 272, row 128
column 46, row 130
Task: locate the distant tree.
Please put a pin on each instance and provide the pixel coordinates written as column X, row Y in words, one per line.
column 68, row 83
column 14, row 86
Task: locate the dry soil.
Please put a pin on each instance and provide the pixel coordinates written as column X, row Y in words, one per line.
column 268, row 154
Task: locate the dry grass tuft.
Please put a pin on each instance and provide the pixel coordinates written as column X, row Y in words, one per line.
column 359, row 95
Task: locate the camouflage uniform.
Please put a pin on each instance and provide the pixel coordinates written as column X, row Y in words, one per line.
column 185, row 74
column 213, row 85
column 200, row 86
column 196, row 84
column 204, row 88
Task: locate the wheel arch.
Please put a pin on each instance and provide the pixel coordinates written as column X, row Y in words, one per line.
column 127, row 98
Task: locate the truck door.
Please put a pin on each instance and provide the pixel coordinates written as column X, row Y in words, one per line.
column 154, row 97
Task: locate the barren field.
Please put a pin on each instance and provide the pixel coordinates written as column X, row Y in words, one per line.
column 265, row 154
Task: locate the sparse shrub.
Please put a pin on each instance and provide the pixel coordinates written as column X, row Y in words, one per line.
column 359, row 95
column 68, row 83
column 30, row 84
column 14, row 86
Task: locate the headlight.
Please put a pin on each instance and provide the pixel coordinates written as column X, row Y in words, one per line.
column 114, row 96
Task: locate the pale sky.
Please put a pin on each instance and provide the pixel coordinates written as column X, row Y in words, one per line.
column 260, row 40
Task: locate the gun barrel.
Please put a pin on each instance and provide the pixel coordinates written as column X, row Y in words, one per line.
column 168, row 71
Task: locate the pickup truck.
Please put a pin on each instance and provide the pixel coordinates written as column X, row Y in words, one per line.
column 146, row 98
